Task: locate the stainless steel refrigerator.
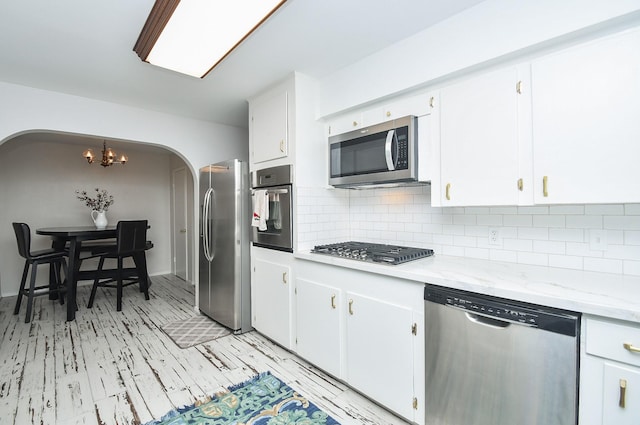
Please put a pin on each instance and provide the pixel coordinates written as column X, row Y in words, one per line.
column 225, row 221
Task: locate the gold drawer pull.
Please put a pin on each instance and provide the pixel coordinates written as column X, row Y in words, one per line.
column 333, row 301
column 351, row 307
column 630, row 347
column 545, row 186
column 284, row 278
column 623, row 393
column 447, row 190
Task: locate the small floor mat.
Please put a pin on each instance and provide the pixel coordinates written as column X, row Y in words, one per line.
column 194, row 330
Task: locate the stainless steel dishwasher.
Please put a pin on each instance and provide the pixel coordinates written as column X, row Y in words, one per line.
column 491, row 361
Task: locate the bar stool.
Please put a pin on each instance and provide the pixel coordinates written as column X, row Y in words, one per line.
column 49, row 256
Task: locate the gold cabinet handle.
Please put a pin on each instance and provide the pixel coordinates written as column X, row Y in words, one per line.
column 333, row 301
column 414, row 329
column 183, row 230
column 351, row 307
column 631, row 347
column 355, row 123
column 388, row 113
column 519, row 87
column 284, row 277
column 432, row 102
column 623, row 393
column 282, row 146
column 446, row 191
column 545, row 186
column 520, row 185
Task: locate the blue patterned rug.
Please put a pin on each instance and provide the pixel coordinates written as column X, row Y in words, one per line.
column 263, row 400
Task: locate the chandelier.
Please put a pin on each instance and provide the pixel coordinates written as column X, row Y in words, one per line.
column 108, row 156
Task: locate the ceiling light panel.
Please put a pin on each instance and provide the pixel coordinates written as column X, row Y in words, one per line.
column 201, row 33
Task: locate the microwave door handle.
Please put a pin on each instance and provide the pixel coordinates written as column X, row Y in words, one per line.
column 387, row 151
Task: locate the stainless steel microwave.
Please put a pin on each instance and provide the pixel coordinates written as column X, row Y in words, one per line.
column 385, row 153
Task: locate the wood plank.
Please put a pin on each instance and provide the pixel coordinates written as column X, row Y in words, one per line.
column 116, row 368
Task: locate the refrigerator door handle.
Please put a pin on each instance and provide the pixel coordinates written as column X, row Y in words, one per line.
column 206, row 207
column 212, row 235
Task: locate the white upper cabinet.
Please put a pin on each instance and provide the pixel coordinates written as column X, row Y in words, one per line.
column 345, row 123
column 418, row 105
column 269, row 131
column 484, row 134
column 586, row 122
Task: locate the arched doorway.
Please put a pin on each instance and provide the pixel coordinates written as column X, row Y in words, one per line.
column 40, row 172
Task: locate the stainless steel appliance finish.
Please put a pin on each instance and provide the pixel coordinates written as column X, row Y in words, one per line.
column 373, row 252
column 385, row 153
column 493, row 361
column 277, row 181
column 224, row 277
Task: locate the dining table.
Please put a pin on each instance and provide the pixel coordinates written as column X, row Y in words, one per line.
column 74, row 236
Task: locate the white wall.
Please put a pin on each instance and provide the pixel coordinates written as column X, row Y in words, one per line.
column 489, row 31
column 556, row 236
column 199, row 143
column 38, row 181
column 26, row 109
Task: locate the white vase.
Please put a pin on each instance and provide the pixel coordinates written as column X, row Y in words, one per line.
column 99, row 219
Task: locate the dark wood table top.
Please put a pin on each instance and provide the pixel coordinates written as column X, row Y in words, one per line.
column 78, row 231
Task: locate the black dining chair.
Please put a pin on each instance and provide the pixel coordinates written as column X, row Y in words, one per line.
column 131, row 242
column 33, row 259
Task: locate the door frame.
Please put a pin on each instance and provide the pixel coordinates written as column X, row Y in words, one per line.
column 183, row 193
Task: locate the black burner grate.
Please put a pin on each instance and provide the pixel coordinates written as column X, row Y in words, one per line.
column 373, row 252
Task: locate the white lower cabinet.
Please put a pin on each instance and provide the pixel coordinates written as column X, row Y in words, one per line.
column 610, row 373
column 318, row 324
column 271, row 295
column 379, row 351
column 365, row 329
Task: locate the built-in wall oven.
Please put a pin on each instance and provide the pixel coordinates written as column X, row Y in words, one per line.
column 272, row 195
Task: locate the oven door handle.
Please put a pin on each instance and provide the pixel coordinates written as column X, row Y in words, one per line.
column 388, row 146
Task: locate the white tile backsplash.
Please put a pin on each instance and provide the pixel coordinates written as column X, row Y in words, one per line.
column 554, row 235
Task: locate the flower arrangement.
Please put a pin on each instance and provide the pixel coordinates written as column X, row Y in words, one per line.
column 101, row 202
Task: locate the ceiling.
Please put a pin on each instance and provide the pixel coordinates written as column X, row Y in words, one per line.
column 85, row 48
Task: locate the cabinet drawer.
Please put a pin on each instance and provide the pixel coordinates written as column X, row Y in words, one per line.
column 607, row 339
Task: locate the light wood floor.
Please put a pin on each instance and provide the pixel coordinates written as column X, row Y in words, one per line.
column 109, row 367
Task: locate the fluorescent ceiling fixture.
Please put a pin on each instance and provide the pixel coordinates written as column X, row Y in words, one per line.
column 193, row 36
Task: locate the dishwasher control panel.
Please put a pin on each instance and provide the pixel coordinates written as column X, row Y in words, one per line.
column 508, row 311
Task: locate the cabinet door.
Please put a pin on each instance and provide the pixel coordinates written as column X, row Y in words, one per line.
column 379, row 351
column 480, row 137
column 585, row 122
column 621, row 401
column 345, row 123
column 271, row 296
column 318, row 324
column 269, row 120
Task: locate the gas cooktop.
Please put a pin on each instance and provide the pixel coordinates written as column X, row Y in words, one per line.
column 373, row 252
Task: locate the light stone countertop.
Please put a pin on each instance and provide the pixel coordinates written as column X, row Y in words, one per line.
column 602, row 294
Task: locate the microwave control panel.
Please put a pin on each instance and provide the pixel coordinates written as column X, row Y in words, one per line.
column 402, row 161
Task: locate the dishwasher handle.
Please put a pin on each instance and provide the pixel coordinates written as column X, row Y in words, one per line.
column 487, row 321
